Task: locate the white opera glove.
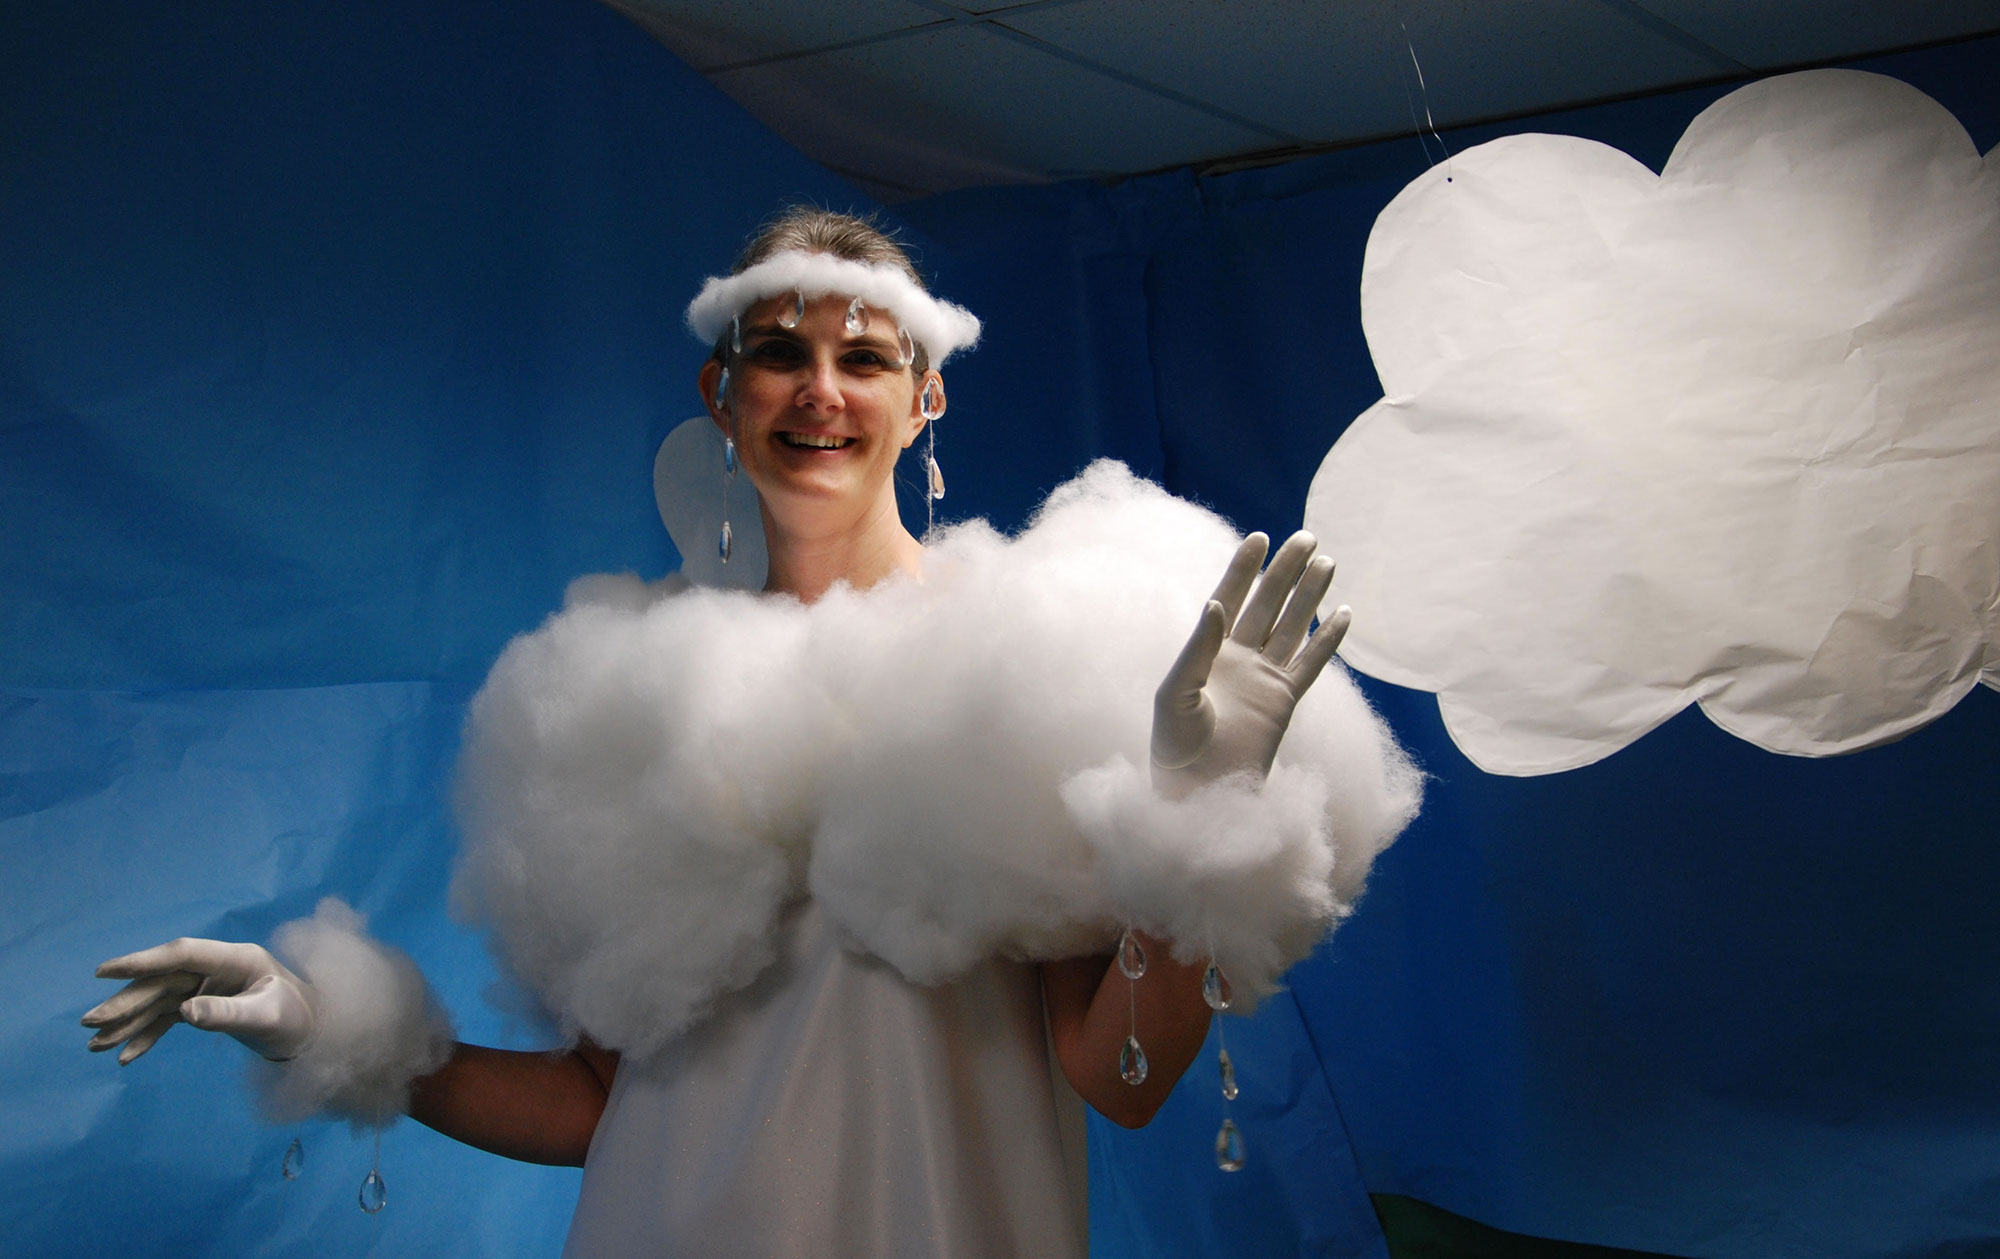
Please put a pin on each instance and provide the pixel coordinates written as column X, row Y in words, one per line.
column 210, row 984
column 1224, row 705
column 350, row 1020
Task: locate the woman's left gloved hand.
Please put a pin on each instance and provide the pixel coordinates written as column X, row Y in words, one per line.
column 1225, row 703
column 210, row 984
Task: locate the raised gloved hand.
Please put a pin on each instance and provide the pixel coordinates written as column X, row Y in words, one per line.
column 240, row 989
column 1226, row 701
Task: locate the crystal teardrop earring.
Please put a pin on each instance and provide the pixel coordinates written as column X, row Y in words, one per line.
column 789, row 318
column 857, row 317
column 930, row 405
column 722, row 542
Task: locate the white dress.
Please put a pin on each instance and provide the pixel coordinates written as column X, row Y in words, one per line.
column 833, row 1108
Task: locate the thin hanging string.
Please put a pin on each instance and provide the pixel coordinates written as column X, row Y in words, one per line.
column 930, row 487
column 1428, row 123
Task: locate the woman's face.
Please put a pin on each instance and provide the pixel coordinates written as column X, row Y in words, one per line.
column 819, row 414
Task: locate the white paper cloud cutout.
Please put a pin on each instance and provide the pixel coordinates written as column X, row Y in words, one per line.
column 1728, row 435
column 688, row 490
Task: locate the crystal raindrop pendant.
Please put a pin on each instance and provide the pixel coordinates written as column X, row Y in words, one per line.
column 722, row 391
column 295, row 1160
column 1229, row 1147
column 937, row 479
column 857, row 317
column 1228, row 1069
column 790, row 318
column 729, row 456
column 1132, row 1062
column 932, row 401
column 736, row 334
column 1131, row 956
column 905, row 347
column 722, row 543
column 1215, row 988
column 374, row 1194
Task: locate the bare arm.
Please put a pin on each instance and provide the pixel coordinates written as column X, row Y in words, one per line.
column 536, row 1107
column 1091, row 1011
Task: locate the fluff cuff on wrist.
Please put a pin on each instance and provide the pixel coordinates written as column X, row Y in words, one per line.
column 378, row 1027
column 1240, row 871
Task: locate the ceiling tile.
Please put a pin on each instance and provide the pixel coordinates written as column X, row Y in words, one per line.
column 1770, row 35
column 1340, row 72
column 895, row 108
column 709, row 33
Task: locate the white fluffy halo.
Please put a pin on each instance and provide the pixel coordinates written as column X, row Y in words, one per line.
column 941, row 327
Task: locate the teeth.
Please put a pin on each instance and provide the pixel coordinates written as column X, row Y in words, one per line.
column 818, row 441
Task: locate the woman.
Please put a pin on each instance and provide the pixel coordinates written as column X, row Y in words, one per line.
column 811, row 1099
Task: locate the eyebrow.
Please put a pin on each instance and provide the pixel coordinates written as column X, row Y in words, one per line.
column 777, row 332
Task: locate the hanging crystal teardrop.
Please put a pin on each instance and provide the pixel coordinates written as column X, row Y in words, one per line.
column 1132, row 1062
column 905, row 347
column 857, row 317
column 937, row 479
column 1131, row 956
column 722, row 543
column 932, row 400
column 295, row 1160
column 729, row 456
column 790, row 318
column 1229, row 1147
column 736, row 334
column 1215, row 988
column 722, row 391
column 1228, row 1075
column 374, row 1194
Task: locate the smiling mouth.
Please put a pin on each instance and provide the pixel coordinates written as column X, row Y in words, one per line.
column 815, row 441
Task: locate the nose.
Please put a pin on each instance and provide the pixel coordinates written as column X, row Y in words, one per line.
column 820, row 390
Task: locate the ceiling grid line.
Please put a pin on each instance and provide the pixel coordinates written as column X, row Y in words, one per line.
column 1651, row 21
column 1060, row 53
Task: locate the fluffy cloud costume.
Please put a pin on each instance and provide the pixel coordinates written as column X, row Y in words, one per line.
column 954, row 768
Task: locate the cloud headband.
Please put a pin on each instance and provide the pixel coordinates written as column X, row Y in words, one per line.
column 942, row 328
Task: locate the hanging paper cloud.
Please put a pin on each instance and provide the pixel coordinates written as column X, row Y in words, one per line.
column 1727, row 435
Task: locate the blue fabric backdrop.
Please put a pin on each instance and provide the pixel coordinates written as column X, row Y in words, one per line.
column 335, row 338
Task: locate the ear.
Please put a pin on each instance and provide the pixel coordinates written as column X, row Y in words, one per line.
column 917, row 420
column 705, row 382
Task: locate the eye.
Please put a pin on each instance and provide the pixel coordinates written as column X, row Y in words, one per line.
column 773, row 352
column 867, row 360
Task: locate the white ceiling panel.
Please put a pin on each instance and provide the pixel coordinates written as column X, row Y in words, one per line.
column 1767, row 36
column 916, row 96
column 711, row 33
column 962, row 89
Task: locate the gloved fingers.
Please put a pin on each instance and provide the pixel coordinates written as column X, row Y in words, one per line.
column 1260, row 613
column 148, row 1036
column 1297, row 617
column 1238, row 576
column 256, row 1011
column 133, row 1021
column 1319, row 649
column 205, row 957
column 1183, row 718
column 274, row 1016
column 1181, row 688
column 124, row 1005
